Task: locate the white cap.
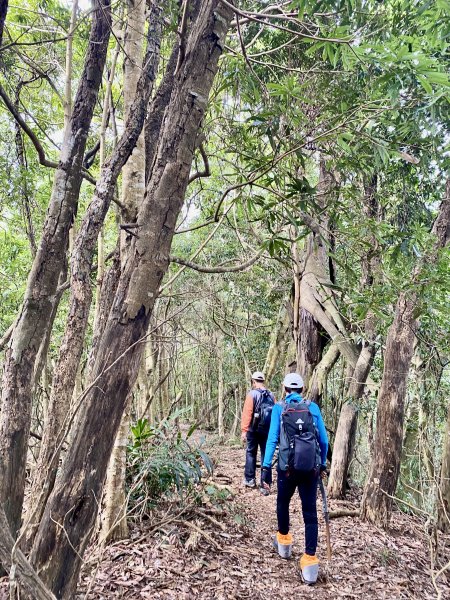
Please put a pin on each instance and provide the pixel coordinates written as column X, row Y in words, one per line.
column 293, row 381
column 258, row 376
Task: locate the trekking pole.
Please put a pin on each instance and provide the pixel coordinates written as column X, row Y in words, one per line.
column 326, row 516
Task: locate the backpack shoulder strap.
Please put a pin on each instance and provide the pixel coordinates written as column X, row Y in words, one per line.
column 257, row 396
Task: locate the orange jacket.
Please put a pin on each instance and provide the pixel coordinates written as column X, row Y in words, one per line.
column 247, row 412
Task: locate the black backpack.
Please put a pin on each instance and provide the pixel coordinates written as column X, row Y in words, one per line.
column 262, row 412
column 299, row 439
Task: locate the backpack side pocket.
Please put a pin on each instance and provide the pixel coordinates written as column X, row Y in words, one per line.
column 305, row 452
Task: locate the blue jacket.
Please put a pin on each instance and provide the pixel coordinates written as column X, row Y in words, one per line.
column 275, row 424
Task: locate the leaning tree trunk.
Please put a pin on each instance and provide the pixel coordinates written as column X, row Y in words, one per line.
column 81, row 292
column 385, row 465
column 114, row 524
column 309, row 337
column 443, row 499
column 346, row 430
column 278, row 342
column 317, row 385
column 33, row 321
column 71, row 511
column 314, row 297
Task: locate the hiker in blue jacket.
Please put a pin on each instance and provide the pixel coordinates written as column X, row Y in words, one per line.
column 305, row 480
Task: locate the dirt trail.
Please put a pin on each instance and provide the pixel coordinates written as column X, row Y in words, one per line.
column 218, row 547
column 227, row 556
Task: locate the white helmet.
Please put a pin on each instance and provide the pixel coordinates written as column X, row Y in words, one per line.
column 293, row 381
column 258, row 376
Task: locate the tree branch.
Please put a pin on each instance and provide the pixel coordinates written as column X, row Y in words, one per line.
column 183, row 38
column 6, row 336
column 206, row 269
column 43, row 160
column 207, row 171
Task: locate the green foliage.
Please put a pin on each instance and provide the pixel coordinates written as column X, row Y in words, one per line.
column 161, row 461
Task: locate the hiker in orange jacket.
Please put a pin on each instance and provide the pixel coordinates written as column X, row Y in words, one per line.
column 255, row 423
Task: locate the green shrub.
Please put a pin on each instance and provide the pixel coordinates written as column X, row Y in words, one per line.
column 161, row 462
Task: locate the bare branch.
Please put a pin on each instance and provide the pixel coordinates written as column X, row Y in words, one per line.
column 207, row 171
column 263, row 17
column 183, row 38
column 206, row 269
column 43, row 160
column 6, row 336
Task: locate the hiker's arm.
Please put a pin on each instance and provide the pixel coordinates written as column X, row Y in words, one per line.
column 273, row 437
column 323, row 437
column 247, row 413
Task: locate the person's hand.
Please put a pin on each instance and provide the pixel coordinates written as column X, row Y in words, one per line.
column 265, row 477
column 323, row 471
column 244, row 437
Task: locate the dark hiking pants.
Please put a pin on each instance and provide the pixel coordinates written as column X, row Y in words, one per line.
column 307, row 489
column 254, row 440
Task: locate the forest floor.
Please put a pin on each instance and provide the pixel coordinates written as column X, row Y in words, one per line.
column 221, row 549
column 217, row 545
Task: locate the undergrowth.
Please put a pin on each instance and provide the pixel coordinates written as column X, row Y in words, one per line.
column 161, row 462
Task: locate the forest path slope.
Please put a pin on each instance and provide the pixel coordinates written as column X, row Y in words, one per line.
column 228, row 553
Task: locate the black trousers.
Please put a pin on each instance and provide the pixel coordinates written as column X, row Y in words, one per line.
column 254, row 440
column 307, row 489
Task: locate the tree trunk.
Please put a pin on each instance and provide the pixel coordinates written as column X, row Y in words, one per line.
column 220, row 385
column 33, row 322
column 71, row 511
column 319, row 377
column 24, row 572
column 385, row 465
column 346, row 429
column 443, row 499
column 114, row 521
column 3, row 11
column 316, row 305
column 278, row 339
column 344, row 442
column 309, row 347
column 81, row 292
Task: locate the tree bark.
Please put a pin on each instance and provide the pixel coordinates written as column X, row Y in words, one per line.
column 316, row 300
column 33, row 322
column 278, row 338
column 220, row 385
column 12, row 557
column 320, row 374
column 443, row 499
column 114, row 524
column 81, row 293
column 385, row 465
column 3, row 11
column 71, row 511
column 346, row 429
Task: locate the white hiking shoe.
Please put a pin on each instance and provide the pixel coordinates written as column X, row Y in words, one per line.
column 283, row 544
column 250, row 483
column 309, row 568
